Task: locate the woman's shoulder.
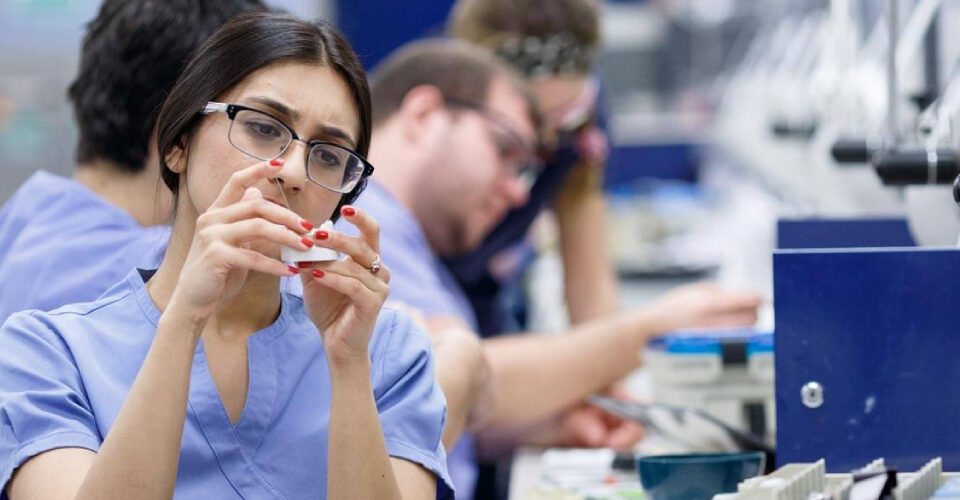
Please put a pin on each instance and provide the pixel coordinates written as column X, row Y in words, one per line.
column 398, row 343
column 396, row 325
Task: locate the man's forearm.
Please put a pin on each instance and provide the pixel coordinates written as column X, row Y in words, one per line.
column 538, row 376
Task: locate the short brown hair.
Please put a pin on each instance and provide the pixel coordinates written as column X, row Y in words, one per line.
column 458, row 70
column 573, row 24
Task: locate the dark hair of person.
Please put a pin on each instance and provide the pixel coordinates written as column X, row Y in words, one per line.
column 133, row 52
column 244, row 45
column 458, row 70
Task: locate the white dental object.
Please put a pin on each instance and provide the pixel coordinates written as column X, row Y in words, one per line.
column 315, row 253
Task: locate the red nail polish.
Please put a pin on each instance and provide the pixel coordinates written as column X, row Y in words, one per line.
column 276, row 162
column 306, row 224
column 348, row 211
column 307, row 241
column 304, row 265
column 293, row 269
column 318, row 273
column 322, row 235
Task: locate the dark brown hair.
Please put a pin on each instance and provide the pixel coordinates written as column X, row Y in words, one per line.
column 246, row 44
column 458, row 70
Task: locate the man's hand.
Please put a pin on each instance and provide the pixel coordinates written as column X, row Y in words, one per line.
column 590, row 427
column 706, row 305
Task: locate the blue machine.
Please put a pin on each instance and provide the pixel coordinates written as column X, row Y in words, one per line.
column 867, row 355
column 844, row 233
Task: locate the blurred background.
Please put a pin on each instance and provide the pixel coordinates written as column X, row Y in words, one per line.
column 730, row 120
column 724, row 114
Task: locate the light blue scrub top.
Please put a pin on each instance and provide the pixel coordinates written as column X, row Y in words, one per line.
column 62, row 244
column 419, row 279
column 64, row 376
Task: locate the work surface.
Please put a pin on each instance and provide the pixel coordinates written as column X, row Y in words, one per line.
column 531, row 479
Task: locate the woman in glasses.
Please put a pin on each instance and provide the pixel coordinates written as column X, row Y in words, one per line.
column 200, row 379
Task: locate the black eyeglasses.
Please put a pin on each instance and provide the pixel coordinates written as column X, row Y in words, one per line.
column 260, row 135
column 510, row 145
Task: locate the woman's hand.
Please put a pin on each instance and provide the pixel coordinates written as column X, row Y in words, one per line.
column 220, row 256
column 344, row 297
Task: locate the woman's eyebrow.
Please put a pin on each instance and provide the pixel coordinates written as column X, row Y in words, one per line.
column 277, row 106
column 337, row 133
column 294, row 115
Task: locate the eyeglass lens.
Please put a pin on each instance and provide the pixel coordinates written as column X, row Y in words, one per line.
column 266, row 138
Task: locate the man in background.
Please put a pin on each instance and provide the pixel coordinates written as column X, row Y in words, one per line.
column 455, row 133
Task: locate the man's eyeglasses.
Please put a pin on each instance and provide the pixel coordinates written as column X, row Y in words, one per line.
column 511, row 147
column 256, row 133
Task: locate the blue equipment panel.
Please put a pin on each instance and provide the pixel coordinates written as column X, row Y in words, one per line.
column 629, row 162
column 877, row 328
column 843, row 233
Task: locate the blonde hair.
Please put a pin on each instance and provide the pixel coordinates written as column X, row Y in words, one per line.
column 487, row 22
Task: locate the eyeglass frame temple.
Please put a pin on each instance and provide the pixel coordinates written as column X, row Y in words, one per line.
column 491, row 114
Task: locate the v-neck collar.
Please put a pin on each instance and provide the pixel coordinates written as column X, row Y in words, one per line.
column 234, row 446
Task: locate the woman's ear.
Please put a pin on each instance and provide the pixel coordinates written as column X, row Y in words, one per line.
column 176, row 158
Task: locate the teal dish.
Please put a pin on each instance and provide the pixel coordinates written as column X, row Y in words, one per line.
column 698, row 476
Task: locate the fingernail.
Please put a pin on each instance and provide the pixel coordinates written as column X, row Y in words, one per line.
column 318, row 273
column 293, row 270
column 322, row 235
column 348, row 211
column 276, row 162
column 303, row 265
column 307, row 241
column 306, row 224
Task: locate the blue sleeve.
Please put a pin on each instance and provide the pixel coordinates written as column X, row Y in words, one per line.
column 412, row 408
column 413, row 283
column 43, row 405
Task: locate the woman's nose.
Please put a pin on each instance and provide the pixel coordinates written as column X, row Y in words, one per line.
column 293, row 175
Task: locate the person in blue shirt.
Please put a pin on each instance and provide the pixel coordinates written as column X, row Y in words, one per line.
column 202, row 380
column 66, row 240
column 454, row 134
